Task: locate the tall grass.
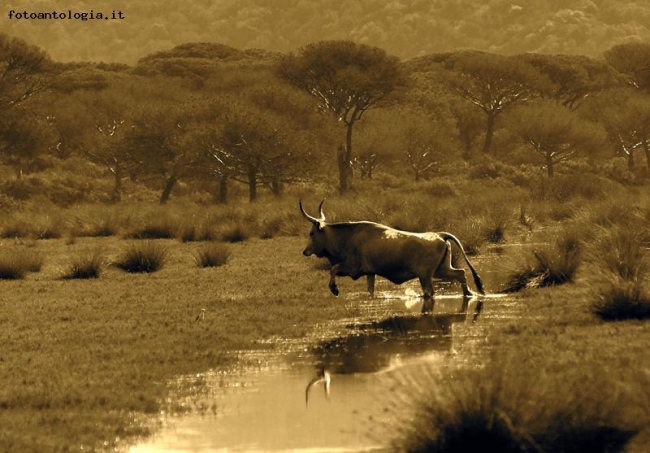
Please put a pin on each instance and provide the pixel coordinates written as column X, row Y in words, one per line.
column 213, row 255
column 554, row 264
column 516, row 405
column 143, row 257
column 85, row 266
column 16, row 264
column 623, row 290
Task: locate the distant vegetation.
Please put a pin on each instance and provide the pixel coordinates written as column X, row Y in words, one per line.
column 215, row 123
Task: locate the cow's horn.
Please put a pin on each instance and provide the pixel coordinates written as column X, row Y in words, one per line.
column 320, row 210
column 307, row 216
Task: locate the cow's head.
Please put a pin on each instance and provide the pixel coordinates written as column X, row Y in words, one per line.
column 317, row 244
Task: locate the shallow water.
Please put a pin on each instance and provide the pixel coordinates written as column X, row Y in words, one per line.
column 273, row 408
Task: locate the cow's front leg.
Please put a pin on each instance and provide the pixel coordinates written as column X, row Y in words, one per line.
column 333, row 272
column 371, row 284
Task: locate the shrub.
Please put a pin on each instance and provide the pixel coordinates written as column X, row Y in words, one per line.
column 148, row 256
column 15, row 264
column 213, row 255
column 85, row 266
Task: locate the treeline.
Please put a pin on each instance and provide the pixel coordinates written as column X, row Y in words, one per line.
column 210, row 116
column 405, row 28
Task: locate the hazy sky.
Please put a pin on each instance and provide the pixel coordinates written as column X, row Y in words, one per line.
column 125, row 31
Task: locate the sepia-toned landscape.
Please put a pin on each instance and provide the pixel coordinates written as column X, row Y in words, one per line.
column 160, row 176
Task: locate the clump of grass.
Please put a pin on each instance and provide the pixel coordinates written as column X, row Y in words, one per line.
column 16, row 264
column 15, row 228
column 143, row 257
column 192, row 233
column 555, row 264
column 85, row 266
column 158, row 228
column 236, row 232
column 213, row 255
column 624, row 265
column 508, row 408
column 495, row 224
column 623, row 300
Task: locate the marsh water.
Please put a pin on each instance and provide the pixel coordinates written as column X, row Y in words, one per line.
column 279, row 404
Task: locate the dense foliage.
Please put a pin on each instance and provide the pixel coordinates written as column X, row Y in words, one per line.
column 204, row 117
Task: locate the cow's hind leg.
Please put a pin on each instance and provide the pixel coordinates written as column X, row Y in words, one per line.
column 449, row 273
column 332, row 284
column 370, row 280
column 427, row 286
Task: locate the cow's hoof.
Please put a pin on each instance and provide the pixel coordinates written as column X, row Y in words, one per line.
column 334, row 290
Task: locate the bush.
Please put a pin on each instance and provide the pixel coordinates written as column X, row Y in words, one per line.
column 213, row 255
column 85, row 266
column 15, row 264
column 148, row 256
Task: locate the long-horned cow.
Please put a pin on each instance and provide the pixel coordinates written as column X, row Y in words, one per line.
column 356, row 249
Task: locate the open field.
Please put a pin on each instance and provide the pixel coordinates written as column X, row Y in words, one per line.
column 89, row 362
column 85, row 362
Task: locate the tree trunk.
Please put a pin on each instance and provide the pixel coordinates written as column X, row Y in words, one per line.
column 343, row 165
column 549, row 166
column 167, row 191
column 252, row 184
column 630, row 160
column 223, row 189
column 277, row 187
column 646, row 148
column 117, row 184
column 489, row 133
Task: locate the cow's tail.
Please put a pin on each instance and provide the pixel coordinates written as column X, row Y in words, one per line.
column 477, row 280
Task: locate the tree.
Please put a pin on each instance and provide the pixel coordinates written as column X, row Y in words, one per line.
column 573, row 77
column 554, row 133
column 159, row 143
column 493, row 83
column 348, row 79
column 23, row 71
column 632, row 60
column 23, row 74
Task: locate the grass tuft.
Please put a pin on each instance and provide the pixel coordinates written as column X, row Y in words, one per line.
column 237, row 232
column 213, row 255
column 144, row 257
column 16, row 264
column 85, row 266
column 509, row 408
column 554, row 265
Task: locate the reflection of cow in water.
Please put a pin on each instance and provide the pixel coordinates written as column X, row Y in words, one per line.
column 373, row 347
column 356, row 249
